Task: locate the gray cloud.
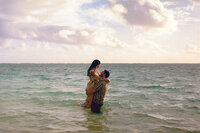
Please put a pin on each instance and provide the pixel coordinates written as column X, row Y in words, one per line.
column 53, row 34
column 9, row 29
column 144, row 13
column 8, row 7
column 47, row 33
column 16, row 7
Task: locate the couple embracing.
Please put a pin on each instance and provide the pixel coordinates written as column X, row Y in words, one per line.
column 97, row 87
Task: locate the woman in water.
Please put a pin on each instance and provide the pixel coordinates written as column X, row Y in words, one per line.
column 93, row 74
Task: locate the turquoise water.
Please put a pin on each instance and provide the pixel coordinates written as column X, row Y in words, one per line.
column 42, row 98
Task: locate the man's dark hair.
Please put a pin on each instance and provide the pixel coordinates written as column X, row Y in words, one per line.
column 107, row 73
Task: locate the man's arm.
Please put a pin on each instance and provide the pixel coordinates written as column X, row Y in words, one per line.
column 105, row 79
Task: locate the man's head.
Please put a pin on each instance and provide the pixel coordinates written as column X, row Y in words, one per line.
column 105, row 73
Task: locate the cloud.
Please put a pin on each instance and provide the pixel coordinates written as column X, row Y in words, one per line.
column 192, row 49
column 35, row 7
column 63, row 12
column 59, row 34
column 19, row 8
column 63, row 34
column 50, row 22
column 104, row 37
column 47, row 33
column 143, row 13
column 169, row 3
column 195, row 2
column 146, row 45
column 186, row 14
column 4, row 43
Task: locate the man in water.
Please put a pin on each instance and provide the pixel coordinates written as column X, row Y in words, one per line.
column 99, row 92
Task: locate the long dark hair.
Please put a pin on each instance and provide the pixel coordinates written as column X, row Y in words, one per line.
column 93, row 65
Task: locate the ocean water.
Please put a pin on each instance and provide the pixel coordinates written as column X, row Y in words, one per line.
column 141, row 98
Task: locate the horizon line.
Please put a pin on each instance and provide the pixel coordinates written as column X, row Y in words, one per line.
column 107, row 63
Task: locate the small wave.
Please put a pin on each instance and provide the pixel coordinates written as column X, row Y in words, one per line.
column 42, row 77
column 26, row 88
column 157, row 116
column 114, row 91
column 156, row 87
column 154, row 116
column 178, row 129
column 37, row 113
column 192, row 107
column 38, row 101
column 151, row 86
column 70, row 102
column 52, row 102
column 61, row 93
column 38, row 75
column 115, row 104
column 194, row 100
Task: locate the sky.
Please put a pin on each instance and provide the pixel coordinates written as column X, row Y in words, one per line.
column 113, row 31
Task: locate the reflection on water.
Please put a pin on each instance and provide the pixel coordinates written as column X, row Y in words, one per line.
column 94, row 121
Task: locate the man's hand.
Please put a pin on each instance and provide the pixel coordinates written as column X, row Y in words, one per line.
column 90, row 92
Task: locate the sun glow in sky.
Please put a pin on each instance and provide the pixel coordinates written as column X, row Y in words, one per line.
column 113, row 31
